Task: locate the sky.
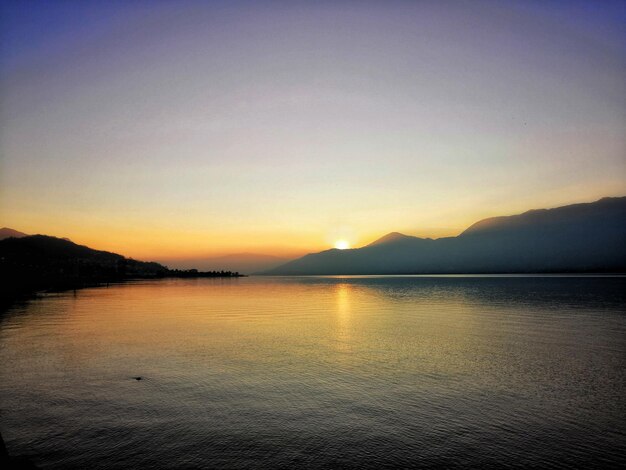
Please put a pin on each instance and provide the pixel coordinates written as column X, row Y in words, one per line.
column 169, row 129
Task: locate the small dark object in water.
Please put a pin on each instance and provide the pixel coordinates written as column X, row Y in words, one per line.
column 137, row 378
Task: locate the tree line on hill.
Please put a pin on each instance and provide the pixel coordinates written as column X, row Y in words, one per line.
column 40, row 262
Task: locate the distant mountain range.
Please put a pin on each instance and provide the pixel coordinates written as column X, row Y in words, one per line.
column 576, row 238
column 587, row 237
column 241, row 262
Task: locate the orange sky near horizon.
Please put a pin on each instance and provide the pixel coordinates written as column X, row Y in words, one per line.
column 148, row 241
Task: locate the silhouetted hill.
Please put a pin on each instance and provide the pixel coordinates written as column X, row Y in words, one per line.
column 45, row 252
column 6, row 232
column 43, row 262
column 577, row 238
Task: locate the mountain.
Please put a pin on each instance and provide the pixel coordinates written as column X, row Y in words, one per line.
column 41, row 261
column 36, row 262
column 6, row 232
column 588, row 237
column 393, row 237
column 61, row 255
column 240, row 262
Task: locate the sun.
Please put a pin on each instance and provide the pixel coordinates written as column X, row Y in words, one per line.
column 342, row 244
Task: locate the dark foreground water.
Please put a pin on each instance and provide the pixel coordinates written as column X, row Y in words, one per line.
column 319, row 373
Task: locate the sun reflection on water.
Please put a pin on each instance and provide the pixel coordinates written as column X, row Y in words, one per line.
column 344, row 317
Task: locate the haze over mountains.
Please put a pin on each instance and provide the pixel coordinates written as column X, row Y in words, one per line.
column 240, row 262
column 588, row 237
column 6, row 232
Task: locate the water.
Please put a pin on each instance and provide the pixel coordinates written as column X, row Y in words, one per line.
column 323, row 372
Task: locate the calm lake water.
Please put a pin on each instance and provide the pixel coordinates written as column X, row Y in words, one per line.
column 322, row 372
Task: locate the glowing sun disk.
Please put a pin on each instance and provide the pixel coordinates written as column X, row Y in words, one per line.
column 342, row 244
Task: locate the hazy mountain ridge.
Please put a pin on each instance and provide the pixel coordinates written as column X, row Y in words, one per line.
column 586, row 237
column 393, row 237
column 563, row 214
column 6, row 232
column 241, row 262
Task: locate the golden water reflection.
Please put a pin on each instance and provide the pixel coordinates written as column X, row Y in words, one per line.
column 344, row 316
column 399, row 361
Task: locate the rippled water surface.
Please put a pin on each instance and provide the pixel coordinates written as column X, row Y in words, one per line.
column 319, row 372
